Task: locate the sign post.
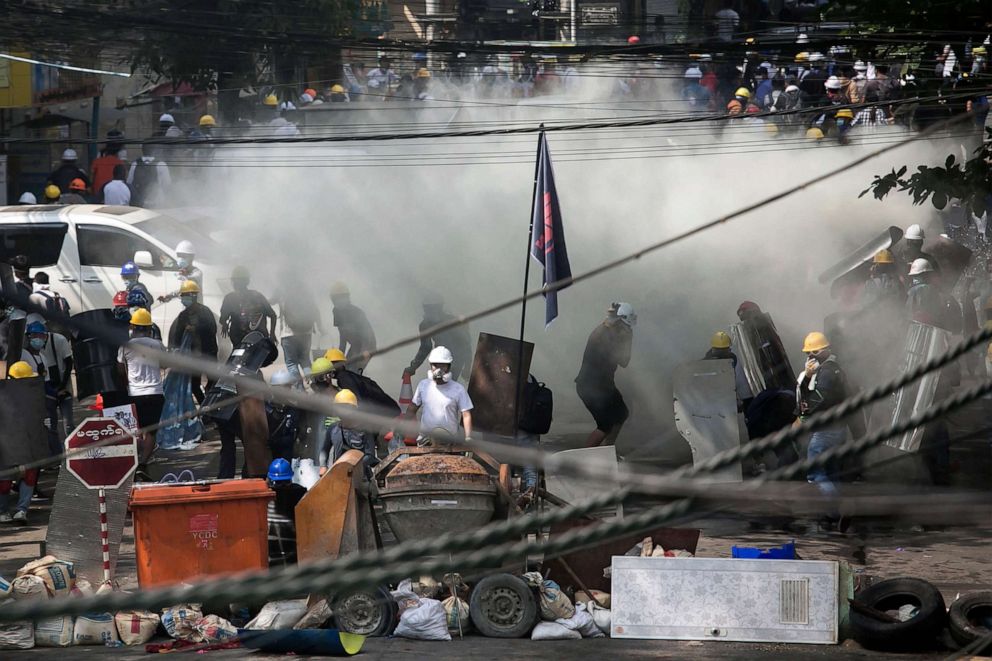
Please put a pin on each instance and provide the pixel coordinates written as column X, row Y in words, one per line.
column 106, row 465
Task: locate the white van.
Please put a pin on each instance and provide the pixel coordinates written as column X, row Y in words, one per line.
column 83, row 246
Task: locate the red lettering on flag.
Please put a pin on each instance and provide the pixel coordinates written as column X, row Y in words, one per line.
column 549, row 237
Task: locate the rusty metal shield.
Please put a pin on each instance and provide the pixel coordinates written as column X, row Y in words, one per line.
column 923, row 342
column 706, row 412
column 23, row 437
column 495, row 376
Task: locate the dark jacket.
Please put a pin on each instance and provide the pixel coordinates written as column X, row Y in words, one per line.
column 825, row 389
column 200, row 322
column 63, row 175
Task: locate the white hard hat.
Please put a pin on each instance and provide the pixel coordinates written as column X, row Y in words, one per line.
column 185, row 248
column 816, row 56
column 166, row 119
column 914, row 233
column 27, row 198
column 693, row 72
column 833, row 83
column 287, row 105
column 860, row 66
column 624, row 312
column 69, row 155
column 305, row 99
column 802, row 38
column 920, row 266
column 282, row 378
column 440, row 356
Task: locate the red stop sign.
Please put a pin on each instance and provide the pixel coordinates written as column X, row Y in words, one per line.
column 107, row 465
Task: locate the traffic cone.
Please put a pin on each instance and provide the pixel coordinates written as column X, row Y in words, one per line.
column 406, row 398
column 98, row 404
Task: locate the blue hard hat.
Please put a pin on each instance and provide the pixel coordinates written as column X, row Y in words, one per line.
column 280, row 471
column 130, row 268
column 137, row 297
column 35, row 327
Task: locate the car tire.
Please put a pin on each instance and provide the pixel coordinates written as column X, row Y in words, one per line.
column 967, row 615
column 503, row 606
column 918, row 632
column 366, row 612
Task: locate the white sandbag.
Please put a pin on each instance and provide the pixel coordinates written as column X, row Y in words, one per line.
column 279, row 615
column 213, row 629
column 54, row 632
column 28, row 588
column 136, row 627
column 601, row 616
column 425, row 622
column 553, row 631
column 316, row 616
column 5, row 589
column 456, row 614
column 601, row 598
column 16, row 635
column 582, row 622
column 59, row 575
column 95, row 629
column 179, row 620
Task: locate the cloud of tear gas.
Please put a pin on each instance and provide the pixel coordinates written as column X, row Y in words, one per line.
column 395, row 219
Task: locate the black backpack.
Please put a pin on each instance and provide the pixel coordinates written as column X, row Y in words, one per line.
column 538, row 407
column 55, row 304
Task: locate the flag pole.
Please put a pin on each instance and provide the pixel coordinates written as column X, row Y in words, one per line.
column 523, row 304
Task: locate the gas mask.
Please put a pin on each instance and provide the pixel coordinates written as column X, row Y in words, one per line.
column 187, row 301
column 38, row 343
column 439, row 375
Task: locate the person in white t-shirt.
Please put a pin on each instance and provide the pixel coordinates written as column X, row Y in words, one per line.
column 144, row 381
column 115, row 191
column 444, row 401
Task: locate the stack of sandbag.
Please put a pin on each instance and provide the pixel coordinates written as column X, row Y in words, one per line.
column 420, row 618
column 554, row 604
column 19, row 635
column 96, row 628
column 136, row 627
column 186, row 622
column 580, row 625
column 279, row 615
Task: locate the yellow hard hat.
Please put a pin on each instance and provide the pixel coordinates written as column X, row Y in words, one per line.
column 844, row 113
column 141, row 317
column 815, row 341
column 208, row 120
column 720, row 340
column 423, row 73
column 20, row 370
column 346, row 397
column 335, row 355
column 743, row 91
column 52, row 192
column 337, row 89
column 339, row 289
column 270, row 100
column 802, row 57
column 320, row 366
column 189, row 287
column 884, row 257
column 814, row 133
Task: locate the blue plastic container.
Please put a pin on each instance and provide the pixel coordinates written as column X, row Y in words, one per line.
column 784, row 552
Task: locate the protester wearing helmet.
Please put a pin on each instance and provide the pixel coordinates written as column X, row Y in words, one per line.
column 143, row 375
column 245, row 310
column 76, row 194
column 739, row 103
column 445, row 402
column 131, row 274
column 344, row 434
column 194, row 331
column 185, row 254
column 338, row 94
column 382, row 79
column 883, row 289
column 720, row 350
column 356, row 337
column 282, row 513
column 910, row 249
column 52, row 194
column 28, row 478
column 371, row 397
column 284, row 419
column 456, row 338
column 55, row 353
column 112, row 156
column 68, row 170
column 608, row 347
column 299, row 318
column 822, row 385
column 120, row 307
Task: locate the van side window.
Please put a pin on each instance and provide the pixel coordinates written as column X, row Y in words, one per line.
column 110, row 246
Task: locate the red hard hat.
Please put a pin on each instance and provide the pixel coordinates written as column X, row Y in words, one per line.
column 747, row 305
column 633, row 40
column 120, row 299
column 77, row 184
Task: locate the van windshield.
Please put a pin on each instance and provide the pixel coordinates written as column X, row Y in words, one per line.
column 170, row 231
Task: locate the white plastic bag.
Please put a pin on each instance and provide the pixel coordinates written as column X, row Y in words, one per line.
column 95, row 629
column 601, row 616
column 54, row 632
column 425, row 622
column 582, row 622
column 553, row 631
column 16, row 635
column 279, row 615
column 136, row 627
column 179, row 620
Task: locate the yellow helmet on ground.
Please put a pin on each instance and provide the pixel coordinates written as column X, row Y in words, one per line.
column 884, row 256
column 815, row 341
column 720, row 340
column 346, row 397
column 189, row 287
column 335, row 355
column 20, row 370
column 141, row 317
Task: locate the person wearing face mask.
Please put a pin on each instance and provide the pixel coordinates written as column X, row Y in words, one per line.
column 50, row 355
column 343, row 434
column 185, row 253
column 245, row 310
column 607, row 349
column 138, row 299
column 285, row 420
column 457, row 338
column 444, row 401
column 821, row 385
column 143, row 375
column 199, row 323
column 131, row 274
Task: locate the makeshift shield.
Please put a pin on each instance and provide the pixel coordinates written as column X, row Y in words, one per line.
column 495, row 378
column 923, row 342
column 853, row 268
column 23, row 437
column 706, row 412
column 759, row 348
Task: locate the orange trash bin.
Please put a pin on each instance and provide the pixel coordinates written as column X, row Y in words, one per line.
column 183, row 531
